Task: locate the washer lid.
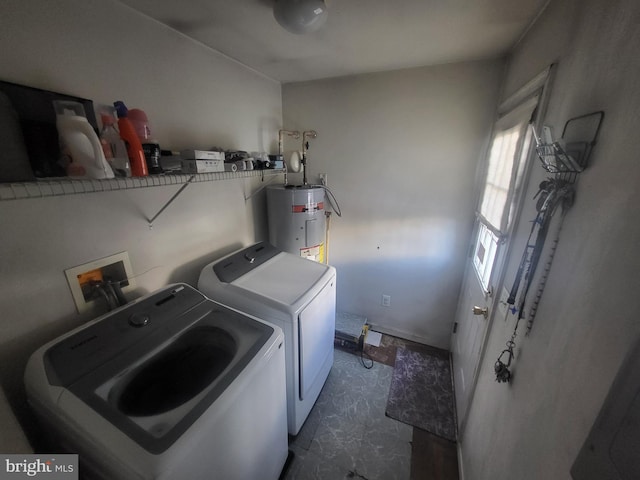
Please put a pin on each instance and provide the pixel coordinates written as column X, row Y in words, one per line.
column 284, row 278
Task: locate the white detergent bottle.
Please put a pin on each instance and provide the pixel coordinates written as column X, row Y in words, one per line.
column 80, row 142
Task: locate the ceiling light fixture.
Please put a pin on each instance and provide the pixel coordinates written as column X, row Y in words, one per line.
column 300, row 16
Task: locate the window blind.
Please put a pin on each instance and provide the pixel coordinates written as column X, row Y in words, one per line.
column 505, row 166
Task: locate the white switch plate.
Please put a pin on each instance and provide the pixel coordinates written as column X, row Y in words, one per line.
column 386, row 300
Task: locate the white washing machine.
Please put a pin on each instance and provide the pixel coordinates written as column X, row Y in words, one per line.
column 296, row 294
column 171, row 386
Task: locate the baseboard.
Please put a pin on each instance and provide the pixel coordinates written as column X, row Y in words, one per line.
column 406, row 336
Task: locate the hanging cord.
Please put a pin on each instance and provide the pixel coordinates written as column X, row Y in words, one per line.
column 331, row 197
column 552, row 193
column 503, row 374
column 361, row 343
column 547, row 267
column 501, row 369
column 362, row 355
column 511, row 300
column 333, row 201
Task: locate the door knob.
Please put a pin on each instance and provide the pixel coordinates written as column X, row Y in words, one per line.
column 481, row 311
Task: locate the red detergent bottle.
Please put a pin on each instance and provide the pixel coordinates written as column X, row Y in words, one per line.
column 150, row 146
column 130, row 137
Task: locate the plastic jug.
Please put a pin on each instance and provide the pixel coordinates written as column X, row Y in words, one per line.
column 115, row 151
column 134, row 147
column 80, row 142
column 150, row 146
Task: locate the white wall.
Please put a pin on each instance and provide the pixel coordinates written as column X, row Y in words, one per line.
column 104, row 51
column 400, row 150
column 587, row 319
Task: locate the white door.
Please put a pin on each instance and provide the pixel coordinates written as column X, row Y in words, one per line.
column 497, row 212
column 471, row 327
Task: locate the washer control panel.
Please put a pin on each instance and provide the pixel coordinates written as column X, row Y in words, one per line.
column 161, row 314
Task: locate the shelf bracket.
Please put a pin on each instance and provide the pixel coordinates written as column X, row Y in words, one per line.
column 262, row 187
column 186, row 184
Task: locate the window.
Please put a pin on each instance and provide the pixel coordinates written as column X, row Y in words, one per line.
column 499, row 173
column 485, row 254
column 506, row 164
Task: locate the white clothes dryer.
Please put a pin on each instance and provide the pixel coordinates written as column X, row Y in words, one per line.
column 170, row 386
column 297, row 295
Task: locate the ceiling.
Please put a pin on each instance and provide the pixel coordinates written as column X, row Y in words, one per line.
column 359, row 36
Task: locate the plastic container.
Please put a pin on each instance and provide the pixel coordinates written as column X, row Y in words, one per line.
column 115, row 151
column 131, row 140
column 150, row 146
column 80, row 142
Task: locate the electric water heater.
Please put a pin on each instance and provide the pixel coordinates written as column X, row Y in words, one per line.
column 297, row 220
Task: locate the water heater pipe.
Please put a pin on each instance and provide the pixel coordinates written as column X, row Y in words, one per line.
column 306, row 134
column 326, row 237
column 291, row 133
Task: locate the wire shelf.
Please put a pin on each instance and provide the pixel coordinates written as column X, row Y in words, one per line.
column 570, row 154
column 55, row 187
column 555, row 160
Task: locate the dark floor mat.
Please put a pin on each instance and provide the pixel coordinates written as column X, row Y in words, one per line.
column 421, row 392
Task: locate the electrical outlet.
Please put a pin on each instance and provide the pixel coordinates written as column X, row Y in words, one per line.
column 323, row 178
column 386, row 300
column 115, row 268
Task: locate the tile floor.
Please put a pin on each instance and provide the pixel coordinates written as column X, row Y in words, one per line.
column 347, row 434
